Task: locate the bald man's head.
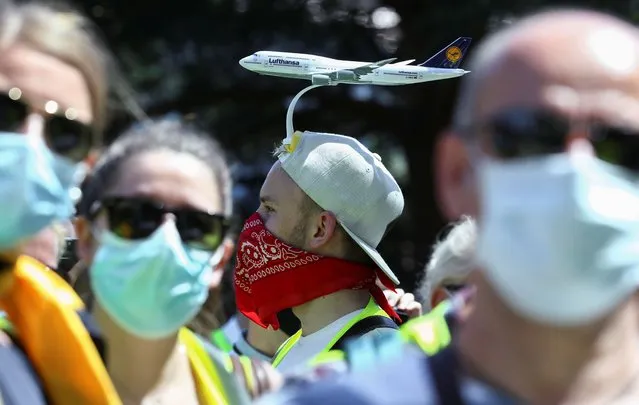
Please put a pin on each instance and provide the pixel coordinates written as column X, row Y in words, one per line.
column 582, row 65
column 575, row 48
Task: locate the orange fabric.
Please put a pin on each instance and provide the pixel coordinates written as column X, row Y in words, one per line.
column 42, row 308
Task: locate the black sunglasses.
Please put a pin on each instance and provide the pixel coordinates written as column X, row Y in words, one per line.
column 524, row 132
column 63, row 133
column 137, row 218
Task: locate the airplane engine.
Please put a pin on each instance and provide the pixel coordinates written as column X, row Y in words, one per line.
column 350, row 76
column 322, row 80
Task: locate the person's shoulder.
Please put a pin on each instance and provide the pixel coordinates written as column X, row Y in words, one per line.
column 404, row 379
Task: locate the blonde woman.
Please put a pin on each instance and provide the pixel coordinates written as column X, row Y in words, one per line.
column 53, row 96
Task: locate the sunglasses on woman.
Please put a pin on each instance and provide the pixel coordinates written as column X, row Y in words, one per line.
column 137, row 218
column 523, row 132
column 63, row 133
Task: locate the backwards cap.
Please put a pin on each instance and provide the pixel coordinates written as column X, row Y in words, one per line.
column 342, row 176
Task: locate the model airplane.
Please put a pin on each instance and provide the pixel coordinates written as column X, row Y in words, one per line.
column 326, row 71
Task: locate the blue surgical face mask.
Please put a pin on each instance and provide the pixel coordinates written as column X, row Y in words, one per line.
column 559, row 236
column 151, row 287
column 37, row 187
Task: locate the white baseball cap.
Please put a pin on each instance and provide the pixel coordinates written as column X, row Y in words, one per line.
column 342, row 176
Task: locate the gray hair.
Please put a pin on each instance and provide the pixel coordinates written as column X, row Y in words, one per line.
column 453, row 257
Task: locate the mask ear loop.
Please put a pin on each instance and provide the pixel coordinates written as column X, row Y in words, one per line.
column 288, row 141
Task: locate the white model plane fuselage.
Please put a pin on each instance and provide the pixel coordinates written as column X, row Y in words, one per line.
column 328, row 71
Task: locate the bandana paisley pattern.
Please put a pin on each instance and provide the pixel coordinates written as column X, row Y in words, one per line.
column 271, row 275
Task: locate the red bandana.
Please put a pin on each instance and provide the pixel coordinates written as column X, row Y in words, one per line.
column 271, row 276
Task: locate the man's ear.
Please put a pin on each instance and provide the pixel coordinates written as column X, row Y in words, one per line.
column 437, row 297
column 322, row 230
column 454, row 178
column 228, row 247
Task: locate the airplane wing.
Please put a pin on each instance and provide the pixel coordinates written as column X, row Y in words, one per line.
column 360, row 70
column 368, row 68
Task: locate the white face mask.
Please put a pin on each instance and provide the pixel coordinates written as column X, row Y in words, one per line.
column 559, row 236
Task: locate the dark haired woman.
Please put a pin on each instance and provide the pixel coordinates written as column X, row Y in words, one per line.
column 153, row 233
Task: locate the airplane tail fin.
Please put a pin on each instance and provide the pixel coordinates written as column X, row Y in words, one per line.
column 451, row 56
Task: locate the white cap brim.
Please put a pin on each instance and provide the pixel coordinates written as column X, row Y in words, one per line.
column 373, row 254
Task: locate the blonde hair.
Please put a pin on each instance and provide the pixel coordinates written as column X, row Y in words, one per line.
column 68, row 36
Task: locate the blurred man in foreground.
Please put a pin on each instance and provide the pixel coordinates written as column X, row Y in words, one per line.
column 547, row 132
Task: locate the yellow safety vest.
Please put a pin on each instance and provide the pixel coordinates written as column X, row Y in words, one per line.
column 429, row 332
column 371, row 309
column 214, row 382
column 221, row 341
